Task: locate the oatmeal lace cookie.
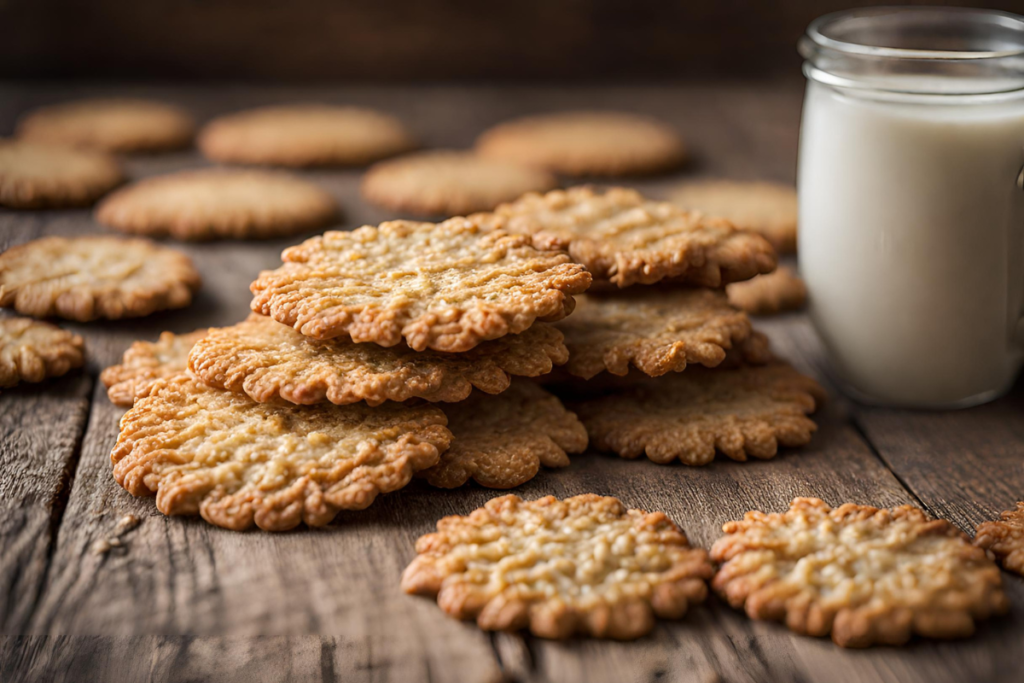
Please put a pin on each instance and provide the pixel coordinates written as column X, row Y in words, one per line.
column 1005, row 539
column 300, row 135
column 626, row 239
column 34, row 176
column 218, row 204
column 112, row 125
column 584, row 565
column 768, row 294
column 237, row 462
column 501, row 441
column 656, row 331
column 267, row 360
column 865, row 575
column 446, row 286
column 85, row 278
column 146, row 362
column 744, row 412
column 766, row 208
column 586, row 143
column 449, row 183
column 31, row 351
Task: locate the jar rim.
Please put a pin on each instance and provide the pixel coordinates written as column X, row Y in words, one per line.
column 817, row 33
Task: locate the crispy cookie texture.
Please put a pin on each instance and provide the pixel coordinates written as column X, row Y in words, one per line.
column 144, row 363
column 301, row 135
column 238, row 463
column 769, row 294
column 112, row 125
column 35, row 176
column 626, row 239
column 446, row 286
column 764, row 207
column 1005, row 539
column 584, row 565
column 501, row 441
column 218, row 204
column 744, row 412
column 268, row 361
column 656, row 331
column 31, row 351
column 450, row 183
column 868, row 576
column 586, row 143
column 85, row 278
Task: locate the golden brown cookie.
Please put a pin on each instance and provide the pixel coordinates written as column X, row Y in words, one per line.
column 626, row 239
column 85, row 278
column 146, row 362
column 743, row 412
column 656, row 331
column 237, row 462
column 31, row 351
column 766, row 208
column 769, row 294
column 305, row 135
column 501, row 441
column 1005, row 539
column 219, row 204
column 584, row 565
column 865, row 575
column 35, row 176
column 445, row 287
column 585, row 143
column 267, row 360
column 112, row 125
column 449, row 183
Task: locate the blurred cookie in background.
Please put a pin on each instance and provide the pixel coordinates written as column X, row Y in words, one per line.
column 449, row 183
column 764, row 207
column 301, row 135
column 111, row 125
column 769, row 294
column 37, row 176
column 586, row 143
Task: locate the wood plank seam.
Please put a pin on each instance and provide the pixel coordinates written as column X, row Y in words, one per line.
column 859, row 428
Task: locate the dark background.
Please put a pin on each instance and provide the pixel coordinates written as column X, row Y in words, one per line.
column 409, row 40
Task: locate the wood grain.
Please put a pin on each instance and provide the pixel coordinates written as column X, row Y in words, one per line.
column 181, row 600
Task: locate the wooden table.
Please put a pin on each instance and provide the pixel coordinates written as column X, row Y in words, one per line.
column 182, row 600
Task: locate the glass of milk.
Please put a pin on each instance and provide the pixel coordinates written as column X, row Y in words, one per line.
column 911, row 183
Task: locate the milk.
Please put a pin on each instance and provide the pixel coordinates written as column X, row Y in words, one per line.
column 912, row 241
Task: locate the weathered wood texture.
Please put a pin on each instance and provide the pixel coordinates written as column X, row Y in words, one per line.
column 180, row 600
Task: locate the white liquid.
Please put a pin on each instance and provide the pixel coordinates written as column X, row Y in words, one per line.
column 912, row 243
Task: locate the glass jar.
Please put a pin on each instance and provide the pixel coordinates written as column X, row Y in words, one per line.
column 911, row 204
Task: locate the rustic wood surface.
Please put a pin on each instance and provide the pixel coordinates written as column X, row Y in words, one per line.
column 180, row 600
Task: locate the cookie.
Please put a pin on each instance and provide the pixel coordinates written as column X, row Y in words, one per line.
column 1005, row 539
column 112, row 125
column 37, row 176
column 625, row 239
column 31, row 351
column 445, row 287
column 585, row 565
column 769, row 294
column 744, row 412
column 449, row 183
column 501, row 441
column 85, row 278
column 305, row 135
column 865, row 575
column 766, row 208
column 238, row 463
column 584, row 143
column 655, row 331
column 268, row 361
column 144, row 363
column 219, row 204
